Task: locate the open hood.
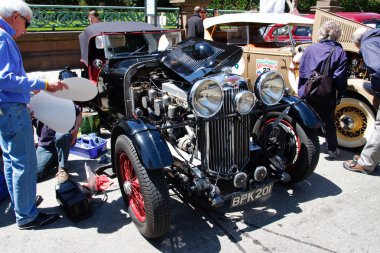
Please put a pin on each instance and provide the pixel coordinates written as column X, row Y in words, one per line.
column 194, row 58
column 348, row 28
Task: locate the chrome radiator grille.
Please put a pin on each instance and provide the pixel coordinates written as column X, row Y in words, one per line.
column 224, row 143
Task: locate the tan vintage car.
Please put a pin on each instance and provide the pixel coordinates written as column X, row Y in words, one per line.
column 355, row 115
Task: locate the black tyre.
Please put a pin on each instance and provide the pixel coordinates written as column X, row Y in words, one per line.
column 145, row 192
column 297, row 145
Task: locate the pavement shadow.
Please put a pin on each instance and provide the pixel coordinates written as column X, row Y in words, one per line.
column 345, row 153
column 348, row 154
column 107, row 217
column 7, row 217
column 189, row 231
column 283, row 201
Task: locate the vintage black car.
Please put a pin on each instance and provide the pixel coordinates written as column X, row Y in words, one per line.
column 179, row 117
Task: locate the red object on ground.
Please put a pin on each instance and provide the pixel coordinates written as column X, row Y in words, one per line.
column 103, row 182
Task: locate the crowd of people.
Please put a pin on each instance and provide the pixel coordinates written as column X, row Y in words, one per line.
column 24, row 165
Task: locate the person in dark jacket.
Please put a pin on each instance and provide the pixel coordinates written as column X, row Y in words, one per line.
column 314, row 58
column 194, row 25
column 369, row 43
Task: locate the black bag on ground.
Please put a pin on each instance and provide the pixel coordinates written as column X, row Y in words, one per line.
column 320, row 86
column 75, row 200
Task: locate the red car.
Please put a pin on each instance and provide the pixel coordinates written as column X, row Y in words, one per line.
column 279, row 33
column 369, row 18
column 302, row 34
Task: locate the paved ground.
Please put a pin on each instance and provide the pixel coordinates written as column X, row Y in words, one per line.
column 333, row 211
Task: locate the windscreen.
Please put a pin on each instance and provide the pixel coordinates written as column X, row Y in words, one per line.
column 128, row 44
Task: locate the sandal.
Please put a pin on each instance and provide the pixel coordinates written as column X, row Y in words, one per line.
column 352, row 165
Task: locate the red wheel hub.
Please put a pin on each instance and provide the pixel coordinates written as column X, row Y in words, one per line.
column 130, row 181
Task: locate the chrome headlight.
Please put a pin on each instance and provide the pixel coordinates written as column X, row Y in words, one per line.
column 244, row 102
column 270, row 87
column 206, row 97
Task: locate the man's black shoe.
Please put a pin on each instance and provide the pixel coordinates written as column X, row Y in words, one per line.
column 41, row 220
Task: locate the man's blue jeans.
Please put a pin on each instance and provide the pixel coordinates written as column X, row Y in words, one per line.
column 49, row 157
column 20, row 163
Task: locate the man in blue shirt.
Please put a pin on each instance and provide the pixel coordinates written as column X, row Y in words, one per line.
column 369, row 43
column 16, row 132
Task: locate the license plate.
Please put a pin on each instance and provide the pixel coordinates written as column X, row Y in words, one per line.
column 248, row 197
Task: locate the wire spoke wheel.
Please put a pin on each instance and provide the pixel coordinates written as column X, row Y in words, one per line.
column 136, row 201
column 354, row 121
column 145, row 192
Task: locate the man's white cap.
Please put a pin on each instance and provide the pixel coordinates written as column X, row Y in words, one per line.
column 197, row 8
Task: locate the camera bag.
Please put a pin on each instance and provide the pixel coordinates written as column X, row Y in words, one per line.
column 75, row 200
column 319, row 86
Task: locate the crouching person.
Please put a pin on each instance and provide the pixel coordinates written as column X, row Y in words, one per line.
column 54, row 148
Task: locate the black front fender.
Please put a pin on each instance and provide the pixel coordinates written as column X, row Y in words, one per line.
column 151, row 148
column 302, row 111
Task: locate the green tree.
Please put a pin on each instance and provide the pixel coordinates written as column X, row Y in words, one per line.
column 303, row 5
column 360, row 5
column 54, row 2
column 85, row 2
column 234, row 4
column 160, row 3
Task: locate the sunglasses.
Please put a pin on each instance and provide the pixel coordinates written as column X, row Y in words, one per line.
column 27, row 23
